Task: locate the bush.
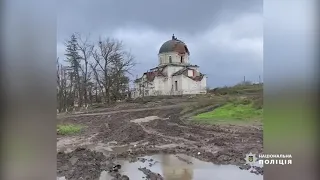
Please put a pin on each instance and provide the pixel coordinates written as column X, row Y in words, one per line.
column 258, row 103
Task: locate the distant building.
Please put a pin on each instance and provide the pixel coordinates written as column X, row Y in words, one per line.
column 173, row 76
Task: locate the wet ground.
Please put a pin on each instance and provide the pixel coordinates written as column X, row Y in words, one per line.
column 180, row 167
column 113, row 136
column 161, row 166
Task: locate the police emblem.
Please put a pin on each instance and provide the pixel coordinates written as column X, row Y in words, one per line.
column 250, row 159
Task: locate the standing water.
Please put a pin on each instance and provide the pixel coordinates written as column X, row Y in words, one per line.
column 181, row 167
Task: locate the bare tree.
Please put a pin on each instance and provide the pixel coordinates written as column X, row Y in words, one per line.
column 97, row 77
column 121, row 66
column 94, row 72
column 85, row 51
column 62, row 93
column 59, row 87
column 112, row 63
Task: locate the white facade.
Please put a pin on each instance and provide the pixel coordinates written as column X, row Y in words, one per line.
column 173, row 76
column 164, row 58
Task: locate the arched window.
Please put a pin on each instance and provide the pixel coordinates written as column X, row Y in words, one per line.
column 170, row 59
column 181, row 59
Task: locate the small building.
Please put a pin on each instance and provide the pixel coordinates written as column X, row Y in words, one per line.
column 173, row 76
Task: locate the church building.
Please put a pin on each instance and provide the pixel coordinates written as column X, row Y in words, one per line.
column 174, row 75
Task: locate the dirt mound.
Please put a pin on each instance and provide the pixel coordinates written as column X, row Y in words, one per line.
column 123, row 133
column 120, row 129
column 218, row 141
column 155, row 139
column 164, row 127
column 80, row 164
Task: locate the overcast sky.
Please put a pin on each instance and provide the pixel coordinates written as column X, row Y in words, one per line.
column 225, row 37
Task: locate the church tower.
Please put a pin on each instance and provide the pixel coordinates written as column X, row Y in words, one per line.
column 174, row 74
column 174, row 51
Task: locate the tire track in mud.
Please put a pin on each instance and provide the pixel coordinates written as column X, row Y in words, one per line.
column 210, row 138
column 154, row 132
column 216, row 143
column 121, row 111
column 183, row 140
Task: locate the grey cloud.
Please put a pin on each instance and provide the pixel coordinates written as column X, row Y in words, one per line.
column 228, row 69
column 174, row 16
column 187, row 19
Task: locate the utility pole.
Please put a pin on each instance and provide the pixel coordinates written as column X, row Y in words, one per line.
column 259, row 79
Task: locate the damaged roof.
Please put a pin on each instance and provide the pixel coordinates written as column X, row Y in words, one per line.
column 174, row 45
column 184, row 71
column 151, row 75
column 178, row 65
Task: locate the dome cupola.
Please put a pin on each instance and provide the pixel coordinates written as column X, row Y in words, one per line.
column 174, row 45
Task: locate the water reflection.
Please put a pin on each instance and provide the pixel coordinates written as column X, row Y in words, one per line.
column 172, row 167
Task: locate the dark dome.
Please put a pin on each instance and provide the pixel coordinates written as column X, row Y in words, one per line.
column 174, row 45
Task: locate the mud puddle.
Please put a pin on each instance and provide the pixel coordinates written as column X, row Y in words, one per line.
column 179, row 167
column 145, row 119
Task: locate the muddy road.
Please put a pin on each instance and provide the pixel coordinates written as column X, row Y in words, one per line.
column 130, row 134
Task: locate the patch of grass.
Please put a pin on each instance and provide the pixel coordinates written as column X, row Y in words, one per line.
column 231, row 112
column 202, row 102
column 68, row 129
